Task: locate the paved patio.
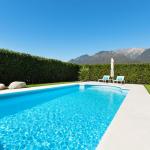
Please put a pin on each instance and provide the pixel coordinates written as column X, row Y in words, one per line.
column 130, row 129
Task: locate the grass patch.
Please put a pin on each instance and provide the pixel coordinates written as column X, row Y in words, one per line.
column 147, row 87
column 46, row 84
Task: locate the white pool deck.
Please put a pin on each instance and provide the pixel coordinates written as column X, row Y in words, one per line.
column 130, row 128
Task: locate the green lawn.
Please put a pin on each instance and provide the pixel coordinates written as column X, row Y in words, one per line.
column 45, row 84
column 147, row 87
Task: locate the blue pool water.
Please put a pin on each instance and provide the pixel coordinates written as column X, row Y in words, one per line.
column 72, row 117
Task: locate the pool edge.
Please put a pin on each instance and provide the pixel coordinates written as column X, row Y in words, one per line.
column 130, row 127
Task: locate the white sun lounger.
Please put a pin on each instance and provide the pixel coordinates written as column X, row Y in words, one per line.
column 119, row 79
column 105, row 78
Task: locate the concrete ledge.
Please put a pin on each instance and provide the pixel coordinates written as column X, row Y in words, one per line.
column 35, row 88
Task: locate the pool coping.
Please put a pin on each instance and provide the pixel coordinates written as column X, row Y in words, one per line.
column 8, row 91
column 129, row 129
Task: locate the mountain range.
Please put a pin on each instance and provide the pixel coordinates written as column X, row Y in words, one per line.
column 121, row 56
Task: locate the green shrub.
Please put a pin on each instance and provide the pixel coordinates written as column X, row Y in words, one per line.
column 31, row 69
column 134, row 73
column 84, row 73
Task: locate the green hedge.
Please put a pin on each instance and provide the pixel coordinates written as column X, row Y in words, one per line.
column 134, row 73
column 31, row 69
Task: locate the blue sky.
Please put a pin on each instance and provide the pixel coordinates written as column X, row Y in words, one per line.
column 64, row 29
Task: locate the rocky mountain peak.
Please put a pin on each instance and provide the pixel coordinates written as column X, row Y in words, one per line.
column 126, row 55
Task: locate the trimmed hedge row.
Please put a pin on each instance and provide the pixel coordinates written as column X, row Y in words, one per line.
column 134, row 73
column 16, row 66
column 32, row 69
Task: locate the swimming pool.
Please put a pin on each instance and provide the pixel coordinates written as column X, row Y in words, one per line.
column 69, row 117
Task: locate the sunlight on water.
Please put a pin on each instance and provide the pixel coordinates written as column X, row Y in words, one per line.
column 76, row 120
